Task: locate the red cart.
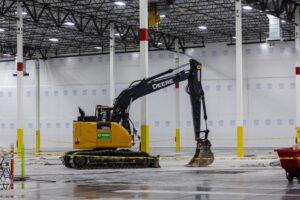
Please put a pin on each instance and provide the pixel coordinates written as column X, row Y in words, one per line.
column 290, row 161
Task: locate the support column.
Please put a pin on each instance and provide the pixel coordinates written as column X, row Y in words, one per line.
column 144, row 64
column 177, row 100
column 20, row 131
column 239, row 79
column 37, row 104
column 297, row 45
column 112, row 64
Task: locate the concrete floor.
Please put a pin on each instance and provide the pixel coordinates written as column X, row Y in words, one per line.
column 225, row 179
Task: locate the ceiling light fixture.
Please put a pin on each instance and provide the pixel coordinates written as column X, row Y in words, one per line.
column 53, row 39
column 247, row 7
column 2, row 30
column 120, row 3
column 23, row 13
column 233, row 37
column 98, row 48
column 6, row 55
column 159, row 44
column 202, row 27
column 162, row 16
column 69, row 23
column 118, row 34
column 282, row 21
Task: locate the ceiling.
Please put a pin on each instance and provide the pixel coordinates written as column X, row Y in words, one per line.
column 46, row 19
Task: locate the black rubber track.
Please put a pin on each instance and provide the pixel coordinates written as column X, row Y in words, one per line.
column 109, row 159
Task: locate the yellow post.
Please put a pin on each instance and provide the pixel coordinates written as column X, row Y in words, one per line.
column 240, row 141
column 20, row 141
column 38, row 141
column 177, row 139
column 298, row 134
column 145, row 147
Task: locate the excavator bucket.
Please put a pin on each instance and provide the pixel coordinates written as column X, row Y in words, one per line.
column 203, row 156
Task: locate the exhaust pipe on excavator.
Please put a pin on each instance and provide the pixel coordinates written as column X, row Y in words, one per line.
column 203, row 156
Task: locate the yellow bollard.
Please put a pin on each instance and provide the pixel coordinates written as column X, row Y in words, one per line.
column 19, row 140
column 240, row 141
column 38, row 141
column 177, row 139
column 298, row 134
column 145, row 147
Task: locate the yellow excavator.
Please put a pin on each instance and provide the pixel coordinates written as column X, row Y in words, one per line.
column 103, row 140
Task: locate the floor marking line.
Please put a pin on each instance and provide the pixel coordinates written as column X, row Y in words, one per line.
column 205, row 192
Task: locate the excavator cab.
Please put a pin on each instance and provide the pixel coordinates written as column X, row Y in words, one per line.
column 103, row 113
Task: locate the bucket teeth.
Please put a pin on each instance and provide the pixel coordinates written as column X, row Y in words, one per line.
column 203, row 156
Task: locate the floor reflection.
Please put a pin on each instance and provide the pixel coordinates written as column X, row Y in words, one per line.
column 205, row 187
column 96, row 191
column 291, row 193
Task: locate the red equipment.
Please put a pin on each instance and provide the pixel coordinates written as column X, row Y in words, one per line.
column 290, row 161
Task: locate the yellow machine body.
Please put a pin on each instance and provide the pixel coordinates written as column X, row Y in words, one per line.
column 86, row 135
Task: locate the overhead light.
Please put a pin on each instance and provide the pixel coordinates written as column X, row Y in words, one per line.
column 23, row 13
column 159, row 43
column 282, row 21
column 233, row 37
column 53, row 39
column 69, row 23
column 99, row 48
column 162, row 16
column 247, row 7
column 6, row 55
column 2, row 30
column 202, row 27
column 120, row 3
column 118, row 34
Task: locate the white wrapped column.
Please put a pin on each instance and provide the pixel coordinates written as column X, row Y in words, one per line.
column 297, row 45
column 177, row 100
column 144, row 65
column 37, row 102
column 112, row 64
column 239, row 80
column 20, row 66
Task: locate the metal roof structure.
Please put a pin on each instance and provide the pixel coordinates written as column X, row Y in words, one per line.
column 45, row 19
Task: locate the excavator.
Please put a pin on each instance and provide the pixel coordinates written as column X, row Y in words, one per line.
column 104, row 139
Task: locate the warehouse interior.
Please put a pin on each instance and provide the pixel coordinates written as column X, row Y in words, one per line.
column 150, row 99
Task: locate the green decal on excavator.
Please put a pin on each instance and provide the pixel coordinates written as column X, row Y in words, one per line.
column 103, row 135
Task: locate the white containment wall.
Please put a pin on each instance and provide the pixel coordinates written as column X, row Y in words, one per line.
column 67, row 83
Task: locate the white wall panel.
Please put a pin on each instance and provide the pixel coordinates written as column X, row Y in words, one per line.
column 67, row 83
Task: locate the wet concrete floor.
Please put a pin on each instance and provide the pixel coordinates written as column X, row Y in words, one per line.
column 224, row 179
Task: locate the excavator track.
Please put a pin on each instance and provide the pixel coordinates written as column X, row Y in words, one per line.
column 109, row 159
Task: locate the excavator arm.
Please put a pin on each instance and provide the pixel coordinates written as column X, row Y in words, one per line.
column 140, row 88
